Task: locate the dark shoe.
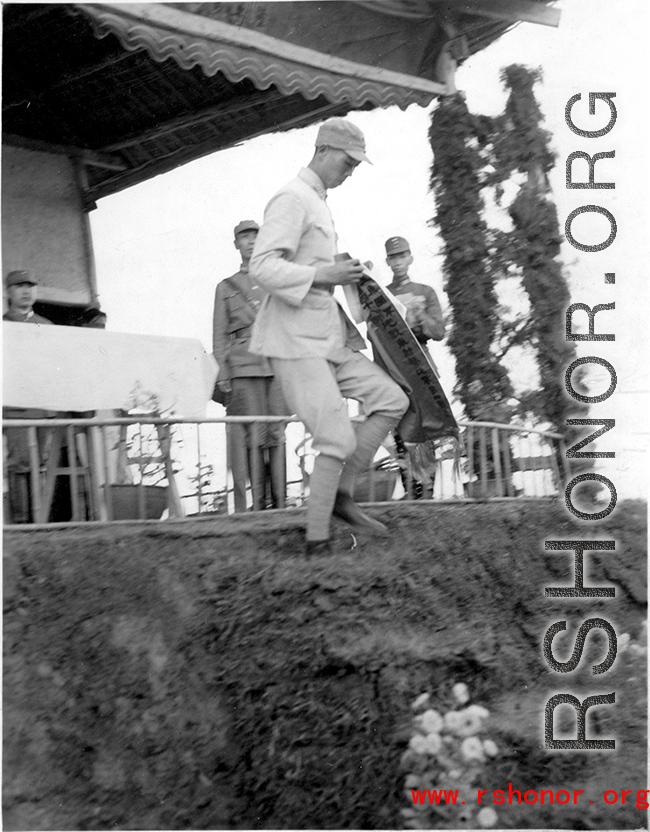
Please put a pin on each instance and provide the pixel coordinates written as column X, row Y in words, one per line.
column 318, row 548
column 346, row 509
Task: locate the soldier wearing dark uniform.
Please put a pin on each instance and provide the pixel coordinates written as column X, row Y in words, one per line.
column 21, row 295
column 423, row 315
column 423, row 312
column 245, row 384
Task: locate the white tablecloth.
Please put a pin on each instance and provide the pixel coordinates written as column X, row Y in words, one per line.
column 72, row 368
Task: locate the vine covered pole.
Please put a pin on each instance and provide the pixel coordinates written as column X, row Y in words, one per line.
column 483, row 385
column 524, row 147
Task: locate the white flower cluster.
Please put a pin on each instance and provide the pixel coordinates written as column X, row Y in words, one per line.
column 447, row 752
column 632, row 653
column 635, row 648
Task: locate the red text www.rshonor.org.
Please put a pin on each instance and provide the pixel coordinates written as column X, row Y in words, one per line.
column 624, row 797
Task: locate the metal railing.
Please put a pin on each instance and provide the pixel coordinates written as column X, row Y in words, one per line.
column 510, row 461
column 143, row 467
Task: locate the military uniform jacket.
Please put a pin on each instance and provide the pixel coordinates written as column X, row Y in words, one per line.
column 235, row 307
column 432, row 326
column 297, row 320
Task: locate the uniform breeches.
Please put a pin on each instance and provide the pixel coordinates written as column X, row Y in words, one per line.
column 316, row 388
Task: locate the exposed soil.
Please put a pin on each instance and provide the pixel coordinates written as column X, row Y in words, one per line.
column 205, row 675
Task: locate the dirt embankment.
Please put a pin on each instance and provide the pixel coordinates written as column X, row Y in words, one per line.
column 208, row 676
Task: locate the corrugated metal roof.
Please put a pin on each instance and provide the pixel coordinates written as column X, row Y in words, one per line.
column 239, row 53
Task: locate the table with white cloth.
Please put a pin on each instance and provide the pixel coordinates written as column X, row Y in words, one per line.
column 76, row 370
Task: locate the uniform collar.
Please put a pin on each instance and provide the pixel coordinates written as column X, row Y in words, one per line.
column 313, row 179
column 403, row 282
column 20, row 316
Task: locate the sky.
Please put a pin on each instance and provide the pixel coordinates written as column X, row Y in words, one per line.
column 162, row 246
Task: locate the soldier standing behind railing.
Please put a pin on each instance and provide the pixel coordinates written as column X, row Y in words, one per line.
column 246, row 386
column 424, row 316
column 21, row 296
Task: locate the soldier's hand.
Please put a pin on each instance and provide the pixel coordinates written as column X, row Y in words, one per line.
column 224, row 386
column 340, row 273
column 414, row 316
column 414, row 312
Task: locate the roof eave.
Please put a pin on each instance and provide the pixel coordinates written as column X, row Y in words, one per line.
column 193, row 40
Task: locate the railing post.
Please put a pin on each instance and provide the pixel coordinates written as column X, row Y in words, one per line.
column 72, row 472
column 199, row 486
column 508, row 466
column 470, row 459
column 108, row 494
column 533, row 459
column 278, row 469
column 142, row 502
column 554, row 448
column 256, row 467
column 34, row 472
column 496, row 460
column 165, row 441
column 94, row 454
column 483, row 461
column 565, row 463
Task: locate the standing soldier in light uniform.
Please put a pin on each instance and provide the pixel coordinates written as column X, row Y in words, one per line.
column 313, row 347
